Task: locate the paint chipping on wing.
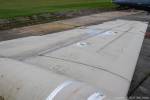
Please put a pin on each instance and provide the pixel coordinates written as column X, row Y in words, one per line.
column 108, row 33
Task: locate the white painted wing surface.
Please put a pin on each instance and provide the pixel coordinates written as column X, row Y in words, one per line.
column 103, row 55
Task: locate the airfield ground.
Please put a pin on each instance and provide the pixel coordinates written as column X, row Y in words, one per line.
column 13, row 8
column 18, row 13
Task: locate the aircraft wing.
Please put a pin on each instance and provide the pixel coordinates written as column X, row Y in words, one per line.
column 103, row 56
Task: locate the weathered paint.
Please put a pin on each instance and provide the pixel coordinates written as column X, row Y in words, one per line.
column 103, row 56
column 20, row 81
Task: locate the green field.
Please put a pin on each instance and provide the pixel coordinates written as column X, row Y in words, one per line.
column 14, row 8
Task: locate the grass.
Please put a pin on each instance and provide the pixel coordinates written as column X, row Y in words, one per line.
column 14, row 8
